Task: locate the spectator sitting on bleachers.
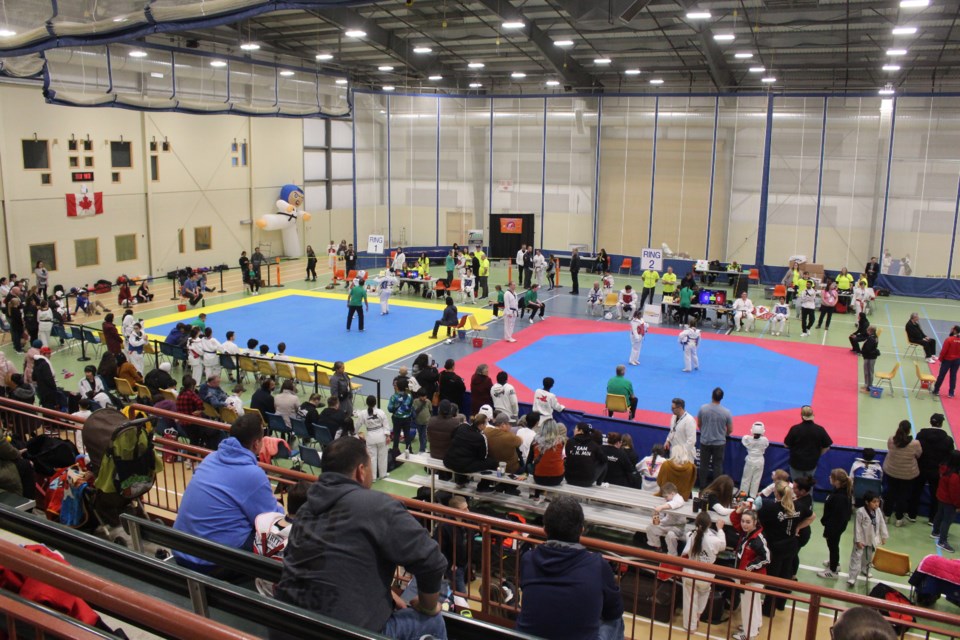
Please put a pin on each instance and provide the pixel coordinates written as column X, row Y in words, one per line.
column 9, row 473
column 547, row 454
column 569, row 593
column 585, row 463
column 92, row 388
column 190, row 403
column 667, row 525
column 226, row 494
column 619, row 470
column 469, row 453
column 212, row 393
column 286, row 402
column 308, row 410
column 159, row 379
column 332, row 417
column 344, row 548
column 649, row 468
column 234, row 402
column 504, row 445
column 440, row 428
column 862, row 623
column 679, row 469
column 526, row 429
column 127, row 371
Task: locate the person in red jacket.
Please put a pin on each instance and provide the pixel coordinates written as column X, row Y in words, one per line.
column 949, row 361
column 754, row 556
column 948, row 497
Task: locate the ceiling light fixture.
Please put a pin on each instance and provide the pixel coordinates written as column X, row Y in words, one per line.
column 323, row 57
column 475, row 85
column 602, row 61
column 896, row 52
column 138, row 53
column 341, row 81
column 422, row 50
column 355, row 33
column 553, row 83
column 388, row 87
column 656, row 80
column 699, row 15
column 385, row 67
column 757, row 69
column 156, row 74
column 768, row 80
column 513, row 24
column 904, row 31
column 743, row 55
column 518, row 74
column 218, row 63
column 888, row 90
column 563, row 43
column 891, row 67
column 286, row 73
column 435, row 77
column 724, row 37
column 249, row 46
column 632, row 72
column 914, row 4
column 475, row 65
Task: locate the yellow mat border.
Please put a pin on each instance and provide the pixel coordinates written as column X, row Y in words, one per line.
column 361, row 364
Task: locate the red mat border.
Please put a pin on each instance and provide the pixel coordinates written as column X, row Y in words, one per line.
column 950, row 406
column 835, row 397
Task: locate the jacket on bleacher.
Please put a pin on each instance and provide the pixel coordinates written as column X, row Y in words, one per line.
column 468, row 452
column 226, row 494
column 585, row 463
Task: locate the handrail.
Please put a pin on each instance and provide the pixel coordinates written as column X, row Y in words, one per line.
column 50, row 622
column 109, row 596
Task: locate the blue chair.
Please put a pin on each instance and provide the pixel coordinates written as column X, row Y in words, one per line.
column 299, row 427
column 862, row 485
column 59, row 331
column 93, row 339
column 276, row 424
column 321, row 434
column 310, row 456
column 228, row 363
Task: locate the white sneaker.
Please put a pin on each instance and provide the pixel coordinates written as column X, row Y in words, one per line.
column 531, row 320
column 852, row 582
column 448, row 341
column 511, row 340
column 826, row 574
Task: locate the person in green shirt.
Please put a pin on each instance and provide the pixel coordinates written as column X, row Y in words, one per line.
column 449, row 264
column 529, row 301
column 845, row 286
column 669, row 281
column 686, row 300
column 650, row 278
column 356, row 301
column 499, row 303
column 200, row 321
column 619, row 385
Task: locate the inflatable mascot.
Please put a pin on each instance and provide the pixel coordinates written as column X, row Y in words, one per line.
column 289, row 211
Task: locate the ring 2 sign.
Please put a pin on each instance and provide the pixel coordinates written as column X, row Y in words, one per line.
column 651, row 259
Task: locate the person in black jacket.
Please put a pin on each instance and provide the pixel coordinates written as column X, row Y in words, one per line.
column 451, row 385
column 426, row 374
column 586, row 463
column 619, row 469
column 916, row 336
column 262, row 399
column 781, row 520
column 870, row 352
column 937, row 445
column 527, row 267
column 159, row 378
column 468, row 452
column 575, row 271
column 50, row 396
column 450, row 320
column 836, row 516
column 860, row 334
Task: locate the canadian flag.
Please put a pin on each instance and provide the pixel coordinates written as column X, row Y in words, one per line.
column 82, row 204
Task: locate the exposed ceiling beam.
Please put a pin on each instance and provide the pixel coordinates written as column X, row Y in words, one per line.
column 377, row 36
column 572, row 72
column 720, row 72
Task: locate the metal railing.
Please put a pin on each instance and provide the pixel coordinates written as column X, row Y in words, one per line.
column 495, row 546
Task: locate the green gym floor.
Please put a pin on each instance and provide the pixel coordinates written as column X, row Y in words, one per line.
column 878, row 418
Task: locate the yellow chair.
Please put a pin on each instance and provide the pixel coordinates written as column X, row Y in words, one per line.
column 304, row 375
column 247, row 365
column 123, row 388
column 256, row 412
column 475, row 326
column 149, row 349
column 285, row 371
column 911, row 347
column 228, row 415
column 210, row 411
column 265, row 368
column 323, row 379
column 143, row 394
column 888, row 377
column 610, row 302
column 617, row 403
column 168, row 395
column 929, row 378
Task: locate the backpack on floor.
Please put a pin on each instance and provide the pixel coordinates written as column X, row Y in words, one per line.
column 884, row 592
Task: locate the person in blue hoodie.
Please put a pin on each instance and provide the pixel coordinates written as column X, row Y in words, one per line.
column 569, row 593
column 226, row 494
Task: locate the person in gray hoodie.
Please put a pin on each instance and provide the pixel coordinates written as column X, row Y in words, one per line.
column 345, row 546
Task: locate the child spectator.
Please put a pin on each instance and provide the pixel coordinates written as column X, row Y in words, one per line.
column 869, row 532
column 756, row 445
column 778, row 475
column 467, row 286
column 754, row 556
column 234, row 401
column 867, row 467
column 668, row 525
column 836, row 516
column 781, row 313
column 719, row 496
column 703, row 544
column 272, row 529
column 526, row 432
column 649, row 467
column 948, row 497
